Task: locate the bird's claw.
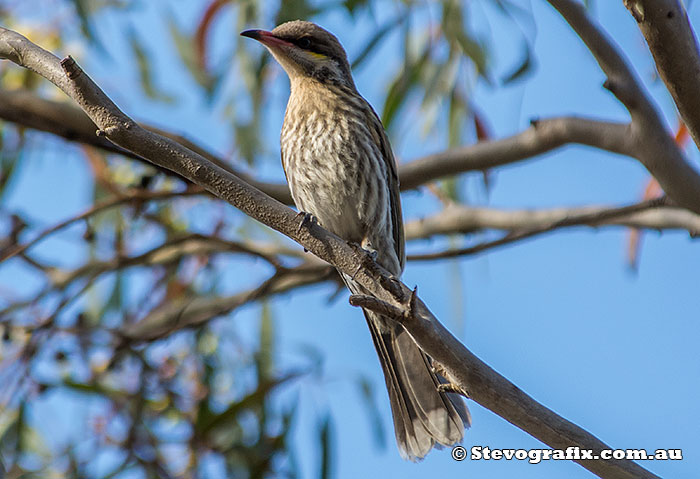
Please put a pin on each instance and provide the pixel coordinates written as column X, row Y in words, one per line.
column 447, row 384
column 372, row 253
column 369, row 256
column 306, row 220
column 452, row 388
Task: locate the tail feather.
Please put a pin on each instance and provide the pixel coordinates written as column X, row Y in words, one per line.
column 423, row 416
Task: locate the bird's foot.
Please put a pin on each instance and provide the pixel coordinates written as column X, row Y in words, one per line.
column 369, row 256
column 369, row 249
column 452, row 388
column 447, row 383
column 306, row 220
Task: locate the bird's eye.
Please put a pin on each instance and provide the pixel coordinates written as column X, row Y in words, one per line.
column 304, row 42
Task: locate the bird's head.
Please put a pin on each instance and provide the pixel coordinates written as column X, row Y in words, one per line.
column 306, row 50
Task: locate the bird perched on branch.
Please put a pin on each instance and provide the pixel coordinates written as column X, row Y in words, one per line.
column 341, row 170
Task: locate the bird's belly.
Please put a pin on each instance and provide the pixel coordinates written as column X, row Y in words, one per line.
column 337, row 173
column 330, row 190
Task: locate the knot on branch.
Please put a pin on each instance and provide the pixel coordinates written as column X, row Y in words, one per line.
column 636, row 8
column 71, row 68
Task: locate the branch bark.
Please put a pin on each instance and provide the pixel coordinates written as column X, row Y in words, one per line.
column 665, row 26
column 655, row 147
column 493, row 391
column 65, row 120
column 545, row 135
column 486, row 386
column 591, row 217
column 542, row 136
column 456, row 219
column 191, row 312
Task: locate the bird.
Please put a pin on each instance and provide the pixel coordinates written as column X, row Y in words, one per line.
column 342, row 173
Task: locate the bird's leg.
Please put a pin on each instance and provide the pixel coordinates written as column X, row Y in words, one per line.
column 449, row 386
column 306, row 220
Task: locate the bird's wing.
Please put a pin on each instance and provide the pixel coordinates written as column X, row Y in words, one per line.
column 381, row 139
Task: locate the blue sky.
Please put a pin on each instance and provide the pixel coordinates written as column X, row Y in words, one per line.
column 560, row 316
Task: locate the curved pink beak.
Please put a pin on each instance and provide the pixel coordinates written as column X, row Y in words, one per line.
column 266, row 38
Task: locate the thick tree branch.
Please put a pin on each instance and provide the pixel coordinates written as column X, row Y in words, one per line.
column 542, row 136
column 493, row 391
column 485, row 385
column 655, row 148
column 665, row 26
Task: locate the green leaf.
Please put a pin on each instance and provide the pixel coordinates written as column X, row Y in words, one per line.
column 9, row 165
column 474, row 50
column 370, row 406
column 455, row 122
column 353, row 5
column 264, row 356
column 116, row 297
column 185, row 46
column 92, row 388
column 450, row 188
column 145, row 73
column 454, row 29
column 207, row 420
column 440, row 83
column 11, row 423
column 82, row 9
column 326, row 440
column 524, row 67
column 247, row 140
column 371, row 45
column 402, row 85
column 294, row 10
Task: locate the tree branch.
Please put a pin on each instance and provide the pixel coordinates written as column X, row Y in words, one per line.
column 71, row 123
column 665, row 26
column 192, row 312
column 460, row 219
column 485, row 385
column 541, row 137
column 591, row 218
column 172, row 251
column 655, row 148
column 493, row 391
column 62, row 119
column 12, row 250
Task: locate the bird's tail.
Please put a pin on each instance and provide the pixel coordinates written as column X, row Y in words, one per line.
column 423, row 416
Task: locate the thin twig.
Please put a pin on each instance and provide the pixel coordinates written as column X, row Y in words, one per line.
column 138, row 195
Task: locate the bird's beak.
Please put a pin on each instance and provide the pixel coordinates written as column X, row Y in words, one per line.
column 266, row 38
